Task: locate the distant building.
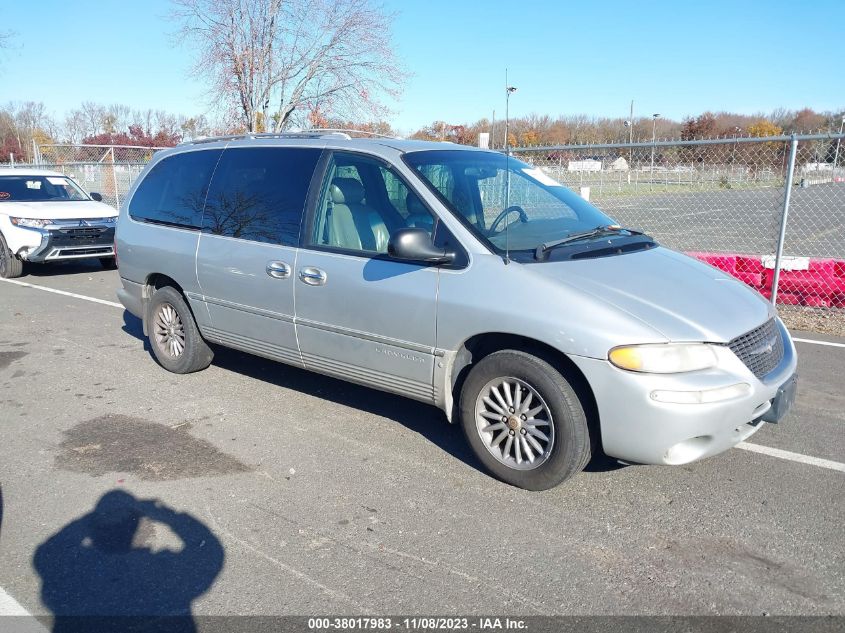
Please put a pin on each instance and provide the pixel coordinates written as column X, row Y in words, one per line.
column 620, row 164
column 589, row 164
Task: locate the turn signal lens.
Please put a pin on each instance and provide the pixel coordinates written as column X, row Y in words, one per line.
column 706, row 396
column 663, row 359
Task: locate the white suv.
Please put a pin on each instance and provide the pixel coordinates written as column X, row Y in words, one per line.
column 45, row 216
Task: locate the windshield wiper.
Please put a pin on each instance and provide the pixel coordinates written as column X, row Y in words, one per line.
column 612, row 229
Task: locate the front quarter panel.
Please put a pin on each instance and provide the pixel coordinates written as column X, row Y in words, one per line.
column 491, row 296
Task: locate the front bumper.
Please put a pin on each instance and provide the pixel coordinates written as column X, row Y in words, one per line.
column 637, row 428
column 68, row 242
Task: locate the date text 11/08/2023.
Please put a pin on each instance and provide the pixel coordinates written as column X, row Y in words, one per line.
column 416, row 623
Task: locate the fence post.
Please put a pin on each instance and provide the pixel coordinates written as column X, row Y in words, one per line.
column 114, row 179
column 790, row 171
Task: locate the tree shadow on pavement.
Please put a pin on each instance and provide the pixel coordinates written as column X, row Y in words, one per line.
column 101, row 572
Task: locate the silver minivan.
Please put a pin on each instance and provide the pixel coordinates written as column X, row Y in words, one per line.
column 459, row 277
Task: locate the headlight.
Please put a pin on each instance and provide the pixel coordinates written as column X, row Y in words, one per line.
column 32, row 223
column 670, row 358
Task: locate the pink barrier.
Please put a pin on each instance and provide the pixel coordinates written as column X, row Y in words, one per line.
column 803, row 281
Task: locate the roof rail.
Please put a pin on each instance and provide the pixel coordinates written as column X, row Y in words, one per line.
column 309, row 133
column 348, row 131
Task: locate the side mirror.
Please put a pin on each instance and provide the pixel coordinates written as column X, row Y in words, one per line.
column 96, row 196
column 414, row 244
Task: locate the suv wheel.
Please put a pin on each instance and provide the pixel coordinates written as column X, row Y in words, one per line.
column 10, row 265
column 524, row 420
column 174, row 336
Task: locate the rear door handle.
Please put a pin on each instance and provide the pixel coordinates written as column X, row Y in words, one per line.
column 278, row 270
column 312, row 276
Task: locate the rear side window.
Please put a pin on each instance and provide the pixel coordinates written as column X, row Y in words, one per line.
column 174, row 191
column 259, row 193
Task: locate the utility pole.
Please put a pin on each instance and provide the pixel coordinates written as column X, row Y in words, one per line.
column 493, row 132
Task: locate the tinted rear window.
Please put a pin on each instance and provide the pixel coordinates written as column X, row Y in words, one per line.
column 174, row 191
column 259, row 193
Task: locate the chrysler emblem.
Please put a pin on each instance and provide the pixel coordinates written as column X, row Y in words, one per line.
column 765, row 348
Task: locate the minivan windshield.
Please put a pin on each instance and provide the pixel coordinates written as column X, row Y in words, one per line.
column 39, row 189
column 510, row 204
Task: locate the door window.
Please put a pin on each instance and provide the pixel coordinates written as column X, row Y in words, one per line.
column 174, row 190
column 362, row 203
column 259, row 194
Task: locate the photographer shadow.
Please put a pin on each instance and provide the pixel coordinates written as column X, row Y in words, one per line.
column 99, row 574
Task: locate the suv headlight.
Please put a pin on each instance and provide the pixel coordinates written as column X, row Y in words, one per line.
column 671, row 358
column 30, row 222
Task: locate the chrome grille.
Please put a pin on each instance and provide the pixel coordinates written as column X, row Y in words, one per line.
column 761, row 349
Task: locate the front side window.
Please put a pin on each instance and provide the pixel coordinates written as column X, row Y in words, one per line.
column 508, row 203
column 362, row 203
column 174, row 191
column 259, row 193
column 39, row 189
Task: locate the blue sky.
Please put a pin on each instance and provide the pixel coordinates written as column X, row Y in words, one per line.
column 566, row 57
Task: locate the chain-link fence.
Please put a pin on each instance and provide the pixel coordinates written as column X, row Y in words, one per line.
column 769, row 211
column 108, row 170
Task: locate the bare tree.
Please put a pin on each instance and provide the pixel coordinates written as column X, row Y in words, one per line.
column 275, row 61
column 74, row 127
column 93, row 114
column 116, row 118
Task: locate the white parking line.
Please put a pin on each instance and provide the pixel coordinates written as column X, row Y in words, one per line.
column 11, row 607
column 114, row 304
column 793, row 457
column 809, row 340
column 755, row 448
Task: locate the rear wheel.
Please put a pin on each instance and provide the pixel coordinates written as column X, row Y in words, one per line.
column 10, row 265
column 524, row 420
column 176, row 341
column 108, row 263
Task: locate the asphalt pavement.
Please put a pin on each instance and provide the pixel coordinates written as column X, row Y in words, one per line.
column 262, row 489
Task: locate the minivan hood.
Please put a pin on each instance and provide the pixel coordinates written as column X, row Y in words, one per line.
column 58, row 209
column 682, row 298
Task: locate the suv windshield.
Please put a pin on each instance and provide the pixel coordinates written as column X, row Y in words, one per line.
column 491, row 193
column 39, row 189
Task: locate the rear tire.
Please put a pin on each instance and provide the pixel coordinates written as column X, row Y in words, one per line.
column 108, row 263
column 524, row 420
column 176, row 341
column 10, row 265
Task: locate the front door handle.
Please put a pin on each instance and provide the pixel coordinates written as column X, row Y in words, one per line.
column 312, row 276
column 278, row 270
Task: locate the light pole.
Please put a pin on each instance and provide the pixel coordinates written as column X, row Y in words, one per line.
column 630, row 125
column 653, row 140
column 509, row 90
column 838, row 143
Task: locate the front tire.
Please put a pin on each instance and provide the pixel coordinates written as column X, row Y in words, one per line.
column 176, row 341
column 10, row 265
column 524, row 421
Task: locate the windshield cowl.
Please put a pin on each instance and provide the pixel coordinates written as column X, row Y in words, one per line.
column 604, row 246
